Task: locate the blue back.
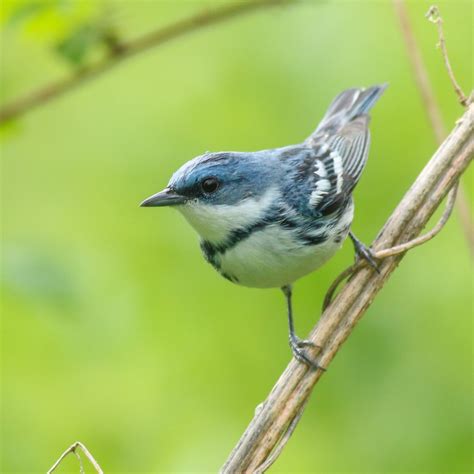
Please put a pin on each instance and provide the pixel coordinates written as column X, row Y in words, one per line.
column 314, row 178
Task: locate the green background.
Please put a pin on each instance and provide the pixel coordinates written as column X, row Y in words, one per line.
column 117, row 333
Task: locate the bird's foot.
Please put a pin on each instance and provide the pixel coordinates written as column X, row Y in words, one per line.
column 300, row 343
column 364, row 252
column 367, row 254
column 297, row 346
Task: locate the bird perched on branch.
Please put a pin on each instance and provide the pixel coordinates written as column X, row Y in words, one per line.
column 267, row 218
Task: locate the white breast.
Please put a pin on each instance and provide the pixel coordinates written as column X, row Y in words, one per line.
column 215, row 222
column 273, row 257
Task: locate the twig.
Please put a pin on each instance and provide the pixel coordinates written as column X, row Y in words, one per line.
column 397, row 249
column 335, row 284
column 402, row 248
column 128, row 49
column 431, row 106
column 296, row 383
column 73, row 449
column 283, row 440
column 434, row 16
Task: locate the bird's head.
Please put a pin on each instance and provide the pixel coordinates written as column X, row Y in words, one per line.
column 218, row 192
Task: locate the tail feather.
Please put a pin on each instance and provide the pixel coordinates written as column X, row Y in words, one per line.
column 341, row 143
column 347, row 106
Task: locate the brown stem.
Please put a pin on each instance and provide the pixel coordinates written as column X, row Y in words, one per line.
column 402, row 248
column 397, row 249
column 335, row 284
column 273, row 456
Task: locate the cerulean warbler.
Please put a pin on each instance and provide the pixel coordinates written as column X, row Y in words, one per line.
column 267, row 218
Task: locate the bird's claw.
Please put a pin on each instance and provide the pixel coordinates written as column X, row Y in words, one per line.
column 363, row 252
column 296, row 345
column 300, row 343
column 369, row 257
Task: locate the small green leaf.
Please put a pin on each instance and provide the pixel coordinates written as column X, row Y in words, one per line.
column 78, row 44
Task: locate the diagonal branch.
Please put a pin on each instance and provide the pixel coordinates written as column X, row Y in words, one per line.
column 127, row 49
column 397, row 249
column 287, row 398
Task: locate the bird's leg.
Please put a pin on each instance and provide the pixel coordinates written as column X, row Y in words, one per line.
column 294, row 339
column 296, row 343
column 364, row 252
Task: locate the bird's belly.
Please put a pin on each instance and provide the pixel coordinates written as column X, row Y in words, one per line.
column 274, row 257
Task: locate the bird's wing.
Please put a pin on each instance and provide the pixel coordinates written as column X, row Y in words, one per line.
column 339, row 160
column 341, row 145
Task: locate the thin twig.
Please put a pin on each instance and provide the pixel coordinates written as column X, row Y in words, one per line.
column 283, row 440
column 434, row 16
column 335, row 284
column 127, row 49
column 397, row 249
column 266, row 432
column 73, row 449
column 431, row 106
column 402, row 248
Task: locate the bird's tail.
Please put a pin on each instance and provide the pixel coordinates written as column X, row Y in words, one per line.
column 347, row 106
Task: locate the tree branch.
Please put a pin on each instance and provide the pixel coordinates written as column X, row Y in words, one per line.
column 397, row 249
column 288, row 396
column 427, row 95
column 126, row 50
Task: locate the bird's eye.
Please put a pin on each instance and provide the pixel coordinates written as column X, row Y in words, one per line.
column 210, row 185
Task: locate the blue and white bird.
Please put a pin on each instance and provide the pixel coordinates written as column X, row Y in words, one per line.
column 268, row 218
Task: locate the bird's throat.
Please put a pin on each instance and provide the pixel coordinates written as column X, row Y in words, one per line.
column 215, row 222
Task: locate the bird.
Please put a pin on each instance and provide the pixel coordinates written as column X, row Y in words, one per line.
column 267, row 218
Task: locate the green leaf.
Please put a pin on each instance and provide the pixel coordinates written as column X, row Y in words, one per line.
column 79, row 43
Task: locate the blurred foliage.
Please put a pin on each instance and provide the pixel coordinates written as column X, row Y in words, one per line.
column 114, row 329
column 74, row 27
column 48, row 20
column 81, row 41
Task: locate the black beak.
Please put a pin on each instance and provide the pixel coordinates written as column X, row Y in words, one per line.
column 167, row 197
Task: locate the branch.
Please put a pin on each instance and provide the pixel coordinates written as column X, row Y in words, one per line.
column 126, row 50
column 397, row 249
column 427, row 95
column 283, row 406
column 73, row 449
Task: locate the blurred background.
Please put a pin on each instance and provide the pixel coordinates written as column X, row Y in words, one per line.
column 117, row 333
